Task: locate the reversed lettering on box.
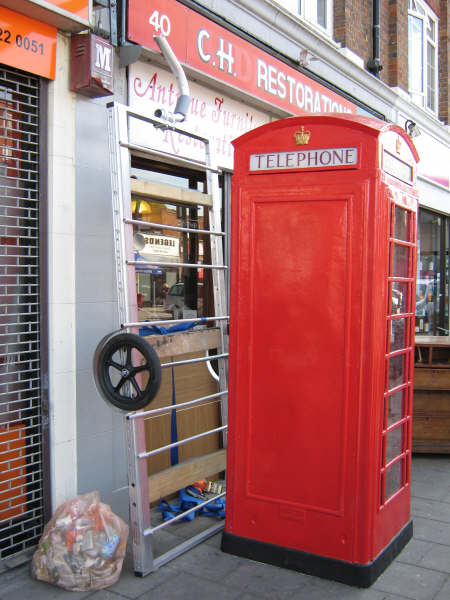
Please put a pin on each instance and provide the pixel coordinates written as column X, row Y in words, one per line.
column 294, row 513
column 305, row 159
column 396, row 167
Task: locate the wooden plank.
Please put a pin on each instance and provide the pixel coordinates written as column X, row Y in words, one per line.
column 191, row 381
column 169, row 193
column 431, row 379
column 186, row 341
column 175, row 478
column 431, row 446
column 431, row 421
column 432, row 340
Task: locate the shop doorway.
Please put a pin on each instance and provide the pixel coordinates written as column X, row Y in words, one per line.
column 172, row 293
column 23, row 424
column 174, row 443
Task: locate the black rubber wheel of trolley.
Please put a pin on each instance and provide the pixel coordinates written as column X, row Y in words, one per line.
column 123, row 357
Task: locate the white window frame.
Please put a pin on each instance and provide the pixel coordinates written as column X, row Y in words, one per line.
column 423, row 73
column 308, row 11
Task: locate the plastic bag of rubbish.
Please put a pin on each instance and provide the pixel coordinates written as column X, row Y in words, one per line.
column 82, row 547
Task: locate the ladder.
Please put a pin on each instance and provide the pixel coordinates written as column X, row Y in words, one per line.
column 144, row 489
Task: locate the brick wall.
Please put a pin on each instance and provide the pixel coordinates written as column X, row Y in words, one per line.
column 384, row 41
column 353, row 28
column 434, row 5
column 339, row 21
column 398, row 43
column 444, row 61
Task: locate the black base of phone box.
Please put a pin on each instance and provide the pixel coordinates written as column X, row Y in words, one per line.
column 358, row 575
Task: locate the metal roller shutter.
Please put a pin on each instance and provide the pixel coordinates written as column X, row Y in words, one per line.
column 21, row 421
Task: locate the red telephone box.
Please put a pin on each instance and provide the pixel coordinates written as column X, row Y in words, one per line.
column 324, row 213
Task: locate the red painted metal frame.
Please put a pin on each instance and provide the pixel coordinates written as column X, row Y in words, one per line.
column 309, row 325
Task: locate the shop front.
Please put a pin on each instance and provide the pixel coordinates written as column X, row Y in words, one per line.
column 28, row 60
column 234, row 87
column 236, row 82
column 432, row 307
column 60, row 293
column 237, row 85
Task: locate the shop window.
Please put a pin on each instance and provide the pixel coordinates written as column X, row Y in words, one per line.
column 394, row 443
column 393, row 479
column 398, row 338
column 169, row 288
column 400, row 261
column 317, row 12
column 395, row 407
column 402, row 224
column 432, row 314
column 396, row 371
column 399, row 297
column 165, row 291
column 422, row 54
column 399, row 352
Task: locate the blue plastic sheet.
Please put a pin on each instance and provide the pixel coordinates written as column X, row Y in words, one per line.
column 155, row 330
column 216, row 508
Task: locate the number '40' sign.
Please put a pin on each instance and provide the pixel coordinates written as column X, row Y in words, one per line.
column 160, row 23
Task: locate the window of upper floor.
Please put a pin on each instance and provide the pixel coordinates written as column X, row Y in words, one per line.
column 317, row 12
column 423, row 55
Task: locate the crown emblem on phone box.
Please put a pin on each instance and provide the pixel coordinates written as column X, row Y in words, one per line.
column 302, row 136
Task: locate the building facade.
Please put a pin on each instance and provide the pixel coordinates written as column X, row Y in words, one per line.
column 248, row 62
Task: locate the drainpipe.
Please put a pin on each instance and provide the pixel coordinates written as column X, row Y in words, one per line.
column 374, row 65
column 182, row 106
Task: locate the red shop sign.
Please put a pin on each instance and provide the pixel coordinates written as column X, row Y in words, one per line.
column 27, row 44
column 211, row 49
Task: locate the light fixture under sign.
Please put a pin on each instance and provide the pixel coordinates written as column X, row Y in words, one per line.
column 305, row 57
column 411, row 128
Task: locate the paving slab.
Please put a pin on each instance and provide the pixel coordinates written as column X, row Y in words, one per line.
column 132, row 587
column 429, row 463
column 437, row 559
column 410, row 581
column 318, row 589
column 215, row 540
column 432, row 531
column 267, row 581
column 430, row 509
column 308, row 594
column 107, row 595
column 414, row 551
column 207, row 562
column 24, row 587
column 189, row 587
column 436, row 488
column 444, row 593
column 447, row 498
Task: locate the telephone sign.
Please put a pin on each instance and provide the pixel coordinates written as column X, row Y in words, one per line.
column 324, row 158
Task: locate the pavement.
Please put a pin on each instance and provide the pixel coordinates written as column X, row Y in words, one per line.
column 420, row 572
